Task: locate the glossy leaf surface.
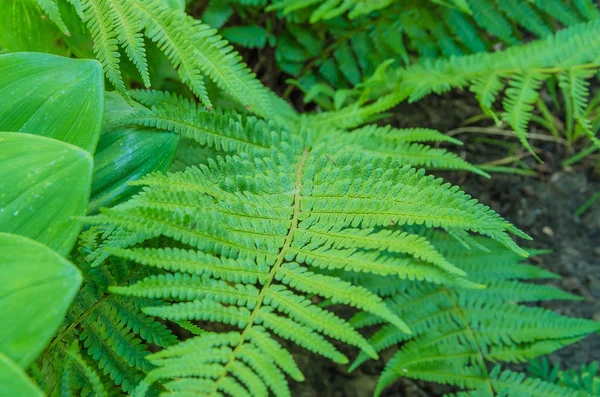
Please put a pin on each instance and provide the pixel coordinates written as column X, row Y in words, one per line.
column 57, row 97
column 44, row 183
column 22, row 29
column 125, row 154
column 36, row 290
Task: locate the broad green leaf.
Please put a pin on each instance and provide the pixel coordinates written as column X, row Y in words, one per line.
column 44, row 183
column 125, row 154
column 36, row 290
column 14, row 382
column 53, row 96
column 22, row 29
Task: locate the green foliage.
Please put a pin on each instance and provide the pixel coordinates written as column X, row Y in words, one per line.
column 64, row 100
column 194, row 49
column 21, row 29
column 45, row 185
column 270, row 228
column 337, row 43
column 571, row 56
column 457, row 331
column 246, row 239
column 45, row 179
column 105, row 338
column 585, row 378
column 126, row 154
column 14, row 382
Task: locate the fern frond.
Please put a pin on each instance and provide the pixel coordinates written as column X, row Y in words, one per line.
column 128, row 28
column 348, row 39
column 97, row 16
column 456, row 330
column 583, row 379
column 245, row 240
column 111, row 331
column 575, row 85
column 521, row 94
column 76, row 362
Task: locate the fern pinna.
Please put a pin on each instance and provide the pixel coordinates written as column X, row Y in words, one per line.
column 458, row 331
column 249, row 238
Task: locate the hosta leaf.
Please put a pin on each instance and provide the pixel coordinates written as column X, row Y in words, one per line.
column 22, row 29
column 14, row 382
column 36, row 290
column 125, row 154
column 43, row 184
column 48, row 95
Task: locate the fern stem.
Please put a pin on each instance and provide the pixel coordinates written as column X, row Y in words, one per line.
column 89, row 311
column 77, row 321
column 480, row 357
column 280, row 258
column 550, row 121
column 501, row 132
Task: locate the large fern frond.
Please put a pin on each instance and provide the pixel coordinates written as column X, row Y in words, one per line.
column 246, row 239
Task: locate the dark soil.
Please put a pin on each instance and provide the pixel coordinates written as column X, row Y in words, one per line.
column 543, row 206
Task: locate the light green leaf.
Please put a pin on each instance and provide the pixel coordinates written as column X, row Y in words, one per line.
column 36, row 290
column 14, row 382
column 48, row 95
column 43, row 184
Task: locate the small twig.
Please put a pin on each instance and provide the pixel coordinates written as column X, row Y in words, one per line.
column 509, row 159
column 506, row 133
